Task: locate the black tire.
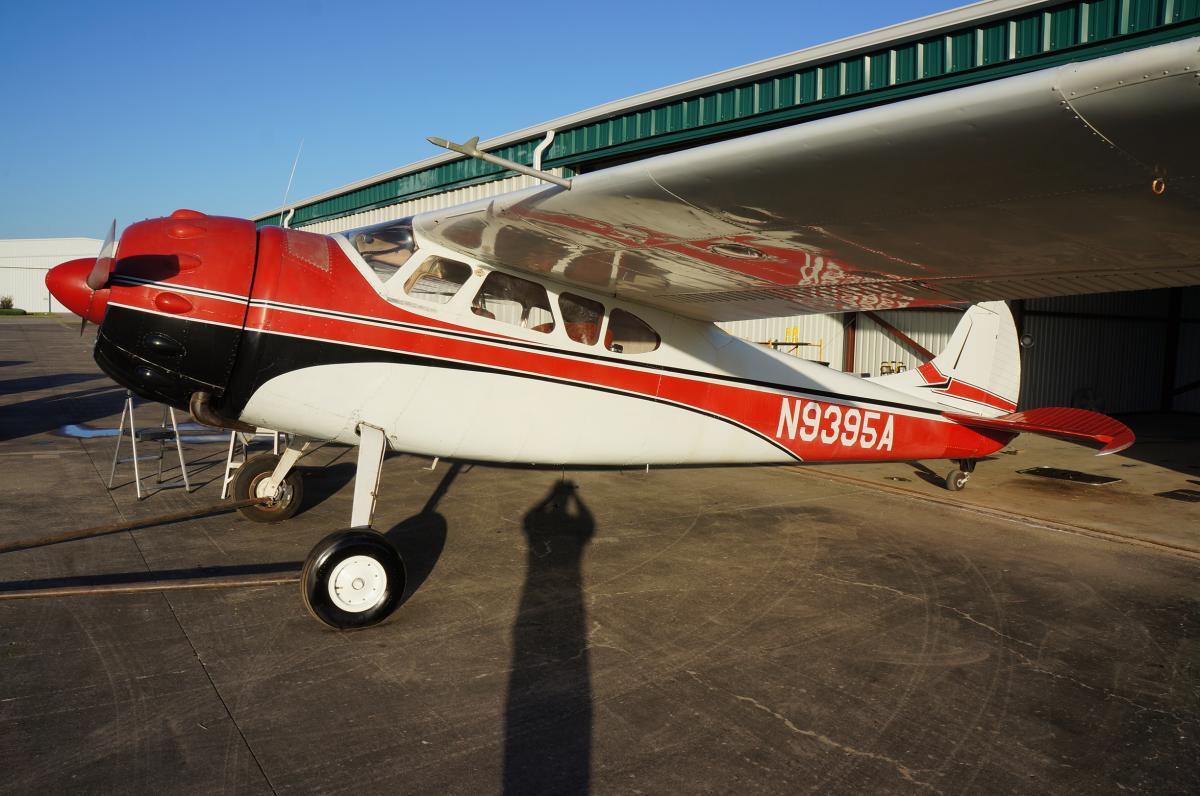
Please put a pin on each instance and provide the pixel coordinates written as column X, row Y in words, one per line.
column 956, row 480
column 251, row 473
column 375, row 560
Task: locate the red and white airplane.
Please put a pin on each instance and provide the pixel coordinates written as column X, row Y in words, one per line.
column 572, row 324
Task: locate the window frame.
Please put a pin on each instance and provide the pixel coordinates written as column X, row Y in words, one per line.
column 551, row 301
column 402, row 277
column 608, row 323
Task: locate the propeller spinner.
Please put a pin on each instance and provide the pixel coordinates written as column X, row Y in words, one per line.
column 76, row 283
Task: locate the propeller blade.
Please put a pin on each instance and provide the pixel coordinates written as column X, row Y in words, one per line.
column 98, row 278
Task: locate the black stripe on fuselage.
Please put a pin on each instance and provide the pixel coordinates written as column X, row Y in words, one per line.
column 624, row 363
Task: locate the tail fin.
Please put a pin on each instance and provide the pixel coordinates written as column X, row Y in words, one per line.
column 978, row 372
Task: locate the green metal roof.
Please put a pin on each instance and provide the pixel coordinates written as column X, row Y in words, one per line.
column 986, row 46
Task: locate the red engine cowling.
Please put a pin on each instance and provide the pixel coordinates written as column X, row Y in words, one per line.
column 172, row 311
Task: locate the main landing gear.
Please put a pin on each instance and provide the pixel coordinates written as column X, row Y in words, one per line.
column 956, row 479
column 353, row 578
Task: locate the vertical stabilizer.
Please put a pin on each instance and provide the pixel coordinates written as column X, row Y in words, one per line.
column 978, row 372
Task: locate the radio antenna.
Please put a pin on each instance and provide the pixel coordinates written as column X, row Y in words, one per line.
column 283, row 222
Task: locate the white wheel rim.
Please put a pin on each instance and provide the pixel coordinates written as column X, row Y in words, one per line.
column 357, row 584
column 282, row 494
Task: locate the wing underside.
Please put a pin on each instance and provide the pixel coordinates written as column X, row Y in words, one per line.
column 1077, row 179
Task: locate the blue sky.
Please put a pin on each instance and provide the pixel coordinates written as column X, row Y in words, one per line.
column 131, row 109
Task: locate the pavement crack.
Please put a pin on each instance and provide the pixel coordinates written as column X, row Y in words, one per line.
column 902, row 770
column 1023, row 659
column 1107, row 693
column 905, row 595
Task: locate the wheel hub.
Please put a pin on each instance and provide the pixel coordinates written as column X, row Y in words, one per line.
column 280, row 497
column 357, row 584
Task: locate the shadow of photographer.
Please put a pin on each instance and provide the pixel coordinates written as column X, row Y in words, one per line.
column 548, row 710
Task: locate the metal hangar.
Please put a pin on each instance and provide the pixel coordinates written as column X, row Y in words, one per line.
column 1133, row 351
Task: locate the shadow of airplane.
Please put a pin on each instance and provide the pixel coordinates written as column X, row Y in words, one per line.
column 31, row 383
column 40, row 415
column 421, row 538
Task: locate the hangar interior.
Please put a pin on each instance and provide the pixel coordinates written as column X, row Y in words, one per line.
column 1118, row 353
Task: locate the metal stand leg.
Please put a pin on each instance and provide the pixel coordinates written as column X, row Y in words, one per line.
column 187, row 487
column 371, row 447
column 229, row 465
column 137, row 473
column 125, row 409
column 162, row 443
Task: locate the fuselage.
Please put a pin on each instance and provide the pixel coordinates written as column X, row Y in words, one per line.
column 457, row 358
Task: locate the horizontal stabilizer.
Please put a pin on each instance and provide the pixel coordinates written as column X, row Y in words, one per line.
column 1074, row 424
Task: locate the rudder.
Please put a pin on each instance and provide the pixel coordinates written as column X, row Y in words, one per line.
column 979, row 370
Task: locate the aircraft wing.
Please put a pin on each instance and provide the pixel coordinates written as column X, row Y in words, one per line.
column 1076, row 179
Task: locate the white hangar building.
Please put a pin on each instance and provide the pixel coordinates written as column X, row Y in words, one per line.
column 24, row 263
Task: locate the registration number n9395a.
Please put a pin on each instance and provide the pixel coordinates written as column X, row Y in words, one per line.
column 833, row 424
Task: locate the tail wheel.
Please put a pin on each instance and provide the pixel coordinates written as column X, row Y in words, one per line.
column 956, row 480
column 352, row 579
column 251, row 482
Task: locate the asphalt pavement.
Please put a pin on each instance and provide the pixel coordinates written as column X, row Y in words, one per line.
column 749, row 630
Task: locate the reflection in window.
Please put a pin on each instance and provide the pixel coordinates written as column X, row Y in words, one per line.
column 437, row 280
column 514, row 300
column 384, row 247
column 581, row 317
column 629, row 334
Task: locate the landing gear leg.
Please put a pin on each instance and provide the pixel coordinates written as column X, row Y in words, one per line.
column 355, row 578
column 270, row 476
column 956, row 479
column 371, row 447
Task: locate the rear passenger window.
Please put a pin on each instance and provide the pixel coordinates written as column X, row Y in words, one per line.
column 514, row 300
column 581, row 317
column 437, row 280
column 629, row 334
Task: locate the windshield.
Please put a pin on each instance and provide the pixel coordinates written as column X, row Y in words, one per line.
column 385, row 247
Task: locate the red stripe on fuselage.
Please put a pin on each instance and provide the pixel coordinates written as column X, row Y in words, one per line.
column 970, row 392
column 756, row 408
column 283, row 279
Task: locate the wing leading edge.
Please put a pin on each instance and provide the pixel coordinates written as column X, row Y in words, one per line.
column 1049, row 183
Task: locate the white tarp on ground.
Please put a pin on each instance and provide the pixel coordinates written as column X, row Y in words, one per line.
column 24, row 263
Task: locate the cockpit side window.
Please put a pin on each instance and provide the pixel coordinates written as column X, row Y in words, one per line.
column 384, row 247
column 437, row 279
column 629, row 334
column 581, row 317
column 514, row 300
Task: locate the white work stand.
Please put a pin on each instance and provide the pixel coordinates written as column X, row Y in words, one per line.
column 160, row 434
column 240, row 442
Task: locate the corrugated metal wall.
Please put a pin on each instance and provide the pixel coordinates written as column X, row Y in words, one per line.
column 1189, row 364
column 959, row 47
column 24, row 263
column 874, row 346
column 1109, row 366
column 433, row 202
column 1189, row 351
column 27, row 286
column 824, row 331
column 1106, row 352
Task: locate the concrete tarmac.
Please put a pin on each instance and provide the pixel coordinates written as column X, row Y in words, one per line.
column 752, row 630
